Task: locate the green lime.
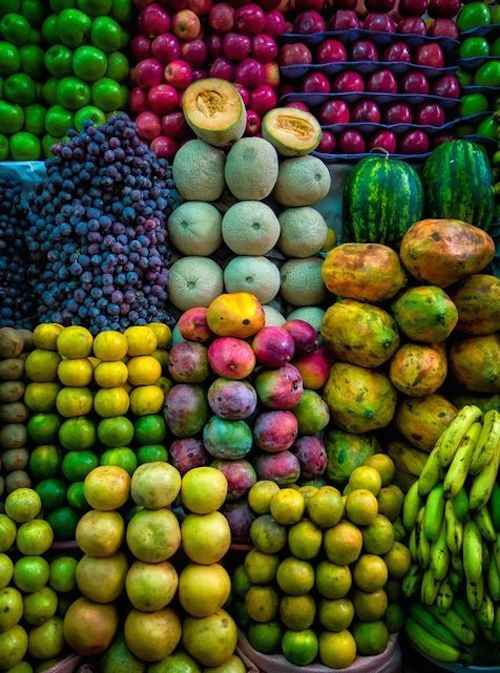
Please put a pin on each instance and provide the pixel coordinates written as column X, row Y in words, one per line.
column 89, row 63
column 57, row 6
column 49, row 90
column 495, row 48
column 107, row 95
column 57, row 123
column 49, row 29
column 8, row 532
column 76, row 497
column 40, row 606
column 122, row 457
column 122, row 11
column 48, row 143
column 34, row 537
column 52, row 493
column 6, row 570
column 11, row 118
column 25, row 147
column 45, row 461
column 58, row 60
column 150, row 429
column 77, row 434
column 32, row 57
column 73, row 93
column 106, row 34
column 464, row 78
column 300, row 647
column 77, row 464
column 4, row 147
column 10, row 59
column 9, row 6
column 72, row 26
column 33, row 10
column 62, row 574
column 118, row 66
column 15, row 28
column 31, row 573
column 88, row 113
column 94, row 7
column 43, row 428
column 371, row 638
column 115, row 432
column 20, row 88
column 152, row 453
column 34, row 119
column 265, row 638
column 63, row 521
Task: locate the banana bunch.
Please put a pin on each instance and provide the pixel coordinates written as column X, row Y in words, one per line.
column 452, row 515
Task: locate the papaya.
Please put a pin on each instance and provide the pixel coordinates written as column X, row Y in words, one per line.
column 418, row 370
column 477, row 299
column 425, row 313
column 422, row 420
column 475, row 363
column 346, row 451
column 362, row 334
column 442, row 252
column 364, row 271
column 361, row 400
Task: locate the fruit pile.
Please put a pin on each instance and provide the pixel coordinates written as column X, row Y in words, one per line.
column 322, row 579
column 453, row 516
column 97, row 237
column 194, row 40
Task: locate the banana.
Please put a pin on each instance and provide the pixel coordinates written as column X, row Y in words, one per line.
column 449, row 441
column 457, row 564
column 432, row 625
column 423, row 545
column 482, row 452
column 485, row 524
column 455, row 624
column 399, row 530
column 406, row 458
column 434, row 513
column 444, row 598
column 486, row 613
column 454, row 529
column 495, row 507
column 472, row 552
column 474, row 592
column 462, row 608
column 411, row 580
column 461, row 505
column 429, row 588
column 459, row 466
column 496, row 626
column 483, row 483
column 412, row 545
column 411, row 507
column 456, row 580
column 493, row 580
column 496, row 551
column 431, row 473
column 432, row 647
column 440, row 557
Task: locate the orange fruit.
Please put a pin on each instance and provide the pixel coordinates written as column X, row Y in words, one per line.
column 203, row 589
column 361, row 507
column 151, row 586
column 107, row 487
column 343, row 543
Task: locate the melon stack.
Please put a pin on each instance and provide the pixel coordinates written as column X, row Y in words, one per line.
column 247, row 223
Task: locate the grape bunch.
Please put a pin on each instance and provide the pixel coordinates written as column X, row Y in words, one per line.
column 97, row 235
column 16, row 303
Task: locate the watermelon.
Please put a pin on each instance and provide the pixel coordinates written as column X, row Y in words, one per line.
column 458, row 184
column 382, row 198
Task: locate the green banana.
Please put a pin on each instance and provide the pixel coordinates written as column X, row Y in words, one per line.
column 486, row 613
column 496, row 626
column 493, row 580
column 474, row 592
column 457, row 564
column 412, row 545
column 483, row 483
column 411, row 580
column 444, row 598
column 423, row 545
column 455, row 624
column 431, row 473
column 472, row 552
column 429, row 588
column 461, row 505
column 459, row 466
column 449, row 441
column 440, row 556
column 399, row 530
column 462, row 608
column 454, row 529
column 456, row 580
column 485, row 524
column 434, row 513
column 495, row 507
column 432, row 625
column 411, row 507
column 483, row 449
column 430, row 645
column 496, row 551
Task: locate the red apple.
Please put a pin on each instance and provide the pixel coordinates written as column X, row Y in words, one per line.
column 412, row 7
column 138, row 100
column 366, row 111
column 200, row 7
column 162, row 99
column 222, row 68
column 382, row 81
column 221, row 17
column 148, row 73
column 331, row 51
column 444, row 28
column 194, row 52
column 309, row 22
column 186, row 25
column 382, row 23
column 214, row 46
column 380, row 5
column 431, row 114
column 154, row 20
column 199, row 73
column 415, row 82
column 298, row 105
column 275, row 23
column 236, row 47
column 351, row 142
column 296, row 53
column 174, row 125
column 398, row 113
column 344, row 19
column 327, row 143
column 316, row 82
column 179, row 74
column 263, row 99
column 430, row 54
column 140, row 47
column 414, row 142
column 334, row 111
column 348, row 81
column 249, row 19
column 148, row 125
column 264, row 48
column 364, row 50
column 443, row 8
column 164, row 148
column 383, row 140
column 447, row 86
column 272, row 75
column 250, row 73
column 253, row 123
column 398, row 52
column 166, row 48
column 244, row 93
column 412, row 25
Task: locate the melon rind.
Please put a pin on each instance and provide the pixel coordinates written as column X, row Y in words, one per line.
column 289, row 142
column 221, row 127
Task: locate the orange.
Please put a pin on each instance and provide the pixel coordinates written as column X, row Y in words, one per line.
column 233, row 665
column 325, row 507
column 153, row 535
column 361, row 507
column 162, row 332
column 398, row 560
column 152, row 636
column 146, row 400
column 151, row 586
column 41, row 396
column 13, row 646
column 370, row 607
column 259, row 496
column 155, row 485
column 102, row 580
column 343, row 543
column 71, row 402
column 287, row 506
column 110, row 346
column 371, row 638
column 74, row 342
column 203, row 589
column 298, row 612
column 41, row 366
column 100, row 533
column 261, row 604
column 378, row 537
column 336, row 615
column 46, row 640
column 111, row 374
column 295, row 577
column 365, row 477
column 210, row 640
column 267, row 535
column 265, row 638
column 34, row 537
column 300, row 647
column 40, row 606
column 390, row 500
column 88, row 627
column 110, row 402
column 304, row 540
column 205, row 537
column 333, row 581
column 370, row 573
column 140, row 341
column 143, row 370
column 45, row 335
column 261, row 568
column 22, row 505
column 75, row 373
column 384, row 466
column 337, row 650
column 203, row 490
column 240, row 582
column 107, row 487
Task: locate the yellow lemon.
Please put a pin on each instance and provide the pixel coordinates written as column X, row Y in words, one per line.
column 45, row 335
column 111, row 374
column 72, row 402
column 74, row 342
column 143, row 370
column 110, row 346
column 146, row 400
column 109, row 402
column 141, row 341
column 41, row 365
column 162, row 332
column 161, row 356
column 75, row 373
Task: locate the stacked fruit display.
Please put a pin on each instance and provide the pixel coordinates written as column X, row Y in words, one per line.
column 22, row 72
column 324, row 568
column 452, row 515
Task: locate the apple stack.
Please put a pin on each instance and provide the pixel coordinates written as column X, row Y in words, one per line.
column 381, row 81
column 181, row 41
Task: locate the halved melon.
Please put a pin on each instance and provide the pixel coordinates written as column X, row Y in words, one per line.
column 215, row 111
column 293, row 132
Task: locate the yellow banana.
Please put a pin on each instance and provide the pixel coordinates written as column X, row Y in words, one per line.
column 432, row 625
column 459, row 466
column 445, row 595
column 432, row 647
column 411, row 507
column 493, row 580
column 450, row 439
column 431, row 473
column 485, row 446
column 429, row 588
column 411, row 580
column 483, row 483
column 461, row 505
column 434, row 513
column 486, row 612
column 455, row 624
column 454, row 529
column 472, row 552
column 474, row 592
column 440, row 557
column 485, row 524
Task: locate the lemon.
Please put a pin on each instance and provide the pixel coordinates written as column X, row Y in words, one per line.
column 295, row 577
column 337, row 650
column 111, row 374
column 143, row 370
column 259, row 496
column 76, row 372
column 41, row 397
column 110, row 346
column 74, row 342
column 45, row 335
column 141, row 341
column 162, row 332
column 72, row 402
column 41, row 365
column 287, row 506
column 146, row 400
column 109, row 402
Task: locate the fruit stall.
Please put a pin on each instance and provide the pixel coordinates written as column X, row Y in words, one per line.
column 249, row 336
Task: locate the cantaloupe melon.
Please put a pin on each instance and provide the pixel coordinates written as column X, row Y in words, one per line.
column 250, row 228
column 302, row 283
column 195, row 228
column 302, row 181
column 198, row 171
column 273, row 317
column 215, row 111
column 303, row 232
column 251, row 169
column 311, row 314
column 256, row 275
column 293, row 132
column 194, row 281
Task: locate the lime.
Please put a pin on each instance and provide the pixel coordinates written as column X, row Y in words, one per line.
column 45, row 461
column 88, row 113
column 77, row 464
column 34, row 537
column 300, row 647
column 76, row 497
column 7, row 532
column 49, row 29
column 49, row 91
column 89, row 63
column 31, row 573
column 33, row 10
column 118, row 67
column 394, row 618
column 240, row 582
column 63, row 521
column 73, row 93
column 22, row 505
column 115, row 432
column 72, row 26
column 11, row 608
column 150, row 429
column 13, row 647
column 371, row 638
column 122, row 457
column 52, row 493
column 58, row 60
column 40, row 606
column 107, row 95
column 25, row 147
column 15, row 28
column 11, row 117
column 34, row 119
column 35, row 36
column 77, row 434
column 62, row 574
column 32, row 57
column 265, row 638
column 6, row 570
column 10, row 59
column 152, row 453
column 122, row 11
column 46, row 640
column 43, row 428
column 106, row 34
column 4, row 146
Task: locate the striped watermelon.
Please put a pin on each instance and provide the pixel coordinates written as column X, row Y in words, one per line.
column 383, row 197
column 458, row 184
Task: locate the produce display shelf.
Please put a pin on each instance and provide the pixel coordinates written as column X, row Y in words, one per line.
column 377, row 36
column 352, row 158
column 363, row 67
column 368, row 127
column 475, row 62
column 491, row 29
column 352, row 97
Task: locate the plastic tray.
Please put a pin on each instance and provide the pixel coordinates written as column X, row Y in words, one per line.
column 371, row 127
column 363, row 67
column 460, row 668
column 375, row 35
column 475, row 62
column 351, row 158
column 477, row 88
column 320, row 98
column 481, row 30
